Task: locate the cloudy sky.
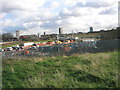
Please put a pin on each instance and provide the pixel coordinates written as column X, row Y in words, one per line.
column 38, row 16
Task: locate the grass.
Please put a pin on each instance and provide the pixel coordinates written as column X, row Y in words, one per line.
column 9, row 45
column 43, row 41
column 99, row 70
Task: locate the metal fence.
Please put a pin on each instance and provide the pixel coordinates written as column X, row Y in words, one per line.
column 71, row 48
column 108, row 45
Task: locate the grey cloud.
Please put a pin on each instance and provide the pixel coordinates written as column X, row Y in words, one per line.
column 81, row 9
column 50, row 24
column 33, row 25
column 108, row 11
column 93, row 4
column 13, row 29
column 65, row 15
column 72, row 13
column 52, row 18
column 41, row 18
column 9, row 7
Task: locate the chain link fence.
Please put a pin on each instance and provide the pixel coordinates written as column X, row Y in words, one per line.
column 68, row 49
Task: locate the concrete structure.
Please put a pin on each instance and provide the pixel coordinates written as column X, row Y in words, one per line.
column 17, row 34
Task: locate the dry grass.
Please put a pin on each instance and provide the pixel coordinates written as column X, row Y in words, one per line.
column 37, row 59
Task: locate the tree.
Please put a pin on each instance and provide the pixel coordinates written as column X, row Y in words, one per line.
column 7, row 37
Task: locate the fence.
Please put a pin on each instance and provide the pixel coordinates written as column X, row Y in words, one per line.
column 71, row 48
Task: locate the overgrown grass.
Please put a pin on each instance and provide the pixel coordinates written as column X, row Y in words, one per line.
column 9, row 45
column 99, row 70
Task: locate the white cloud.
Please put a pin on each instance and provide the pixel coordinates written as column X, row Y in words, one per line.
column 31, row 15
column 7, row 22
column 54, row 5
column 73, row 2
column 108, row 11
column 2, row 15
column 34, row 31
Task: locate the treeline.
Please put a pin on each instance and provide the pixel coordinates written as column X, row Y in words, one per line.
column 6, row 37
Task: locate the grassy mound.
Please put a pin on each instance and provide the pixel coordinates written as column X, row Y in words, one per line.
column 99, row 70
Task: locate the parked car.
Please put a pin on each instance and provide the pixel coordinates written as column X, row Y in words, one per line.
column 21, row 47
column 1, row 50
column 14, row 48
column 35, row 45
column 49, row 42
column 33, row 48
column 9, row 48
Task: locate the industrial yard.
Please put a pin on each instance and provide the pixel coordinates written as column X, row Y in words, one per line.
column 57, row 64
column 62, row 45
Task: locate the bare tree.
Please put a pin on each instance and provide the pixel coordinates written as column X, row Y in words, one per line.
column 7, row 37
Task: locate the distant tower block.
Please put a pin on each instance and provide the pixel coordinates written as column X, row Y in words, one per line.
column 44, row 33
column 91, row 29
column 60, row 30
column 38, row 34
column 17, row 34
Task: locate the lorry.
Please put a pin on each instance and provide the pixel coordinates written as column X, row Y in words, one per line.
column 27, row 44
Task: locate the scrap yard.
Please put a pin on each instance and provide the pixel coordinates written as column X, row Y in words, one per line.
column 53, row 48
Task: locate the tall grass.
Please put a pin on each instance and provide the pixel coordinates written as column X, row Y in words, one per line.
column 99, row 70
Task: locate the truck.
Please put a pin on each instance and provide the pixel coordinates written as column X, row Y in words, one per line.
column 27, row 44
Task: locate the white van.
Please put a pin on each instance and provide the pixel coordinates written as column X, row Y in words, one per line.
column 9, row 48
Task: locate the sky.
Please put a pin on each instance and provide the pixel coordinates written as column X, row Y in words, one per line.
column 38, row 16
